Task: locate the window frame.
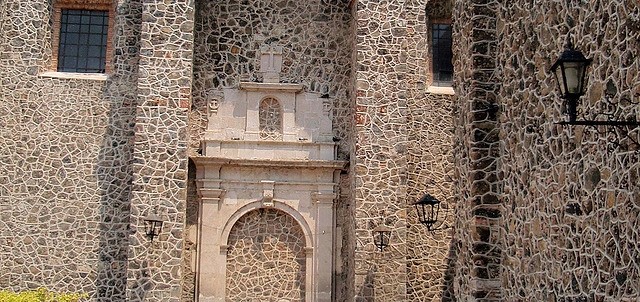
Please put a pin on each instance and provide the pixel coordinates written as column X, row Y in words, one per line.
column 99, row 5
column 434, row 81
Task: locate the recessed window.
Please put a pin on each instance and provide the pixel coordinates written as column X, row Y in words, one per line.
column 441, row 54
column 81, row 35
column 83, row 41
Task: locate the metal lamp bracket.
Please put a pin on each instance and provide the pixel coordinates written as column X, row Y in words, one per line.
column 610, row 126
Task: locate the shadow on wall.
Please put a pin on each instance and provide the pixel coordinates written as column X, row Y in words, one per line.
column 114, row 169
column 367, row 291
column 449, row 274
column 143, row 282
column 114, row 173
column 190, row 247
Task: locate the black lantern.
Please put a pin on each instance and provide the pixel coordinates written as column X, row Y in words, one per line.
column 570, row 71
column 428, row 208
column 381, row 236
column 152, row 225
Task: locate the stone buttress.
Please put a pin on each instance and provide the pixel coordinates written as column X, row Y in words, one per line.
column 479, row 210
column 160, row 144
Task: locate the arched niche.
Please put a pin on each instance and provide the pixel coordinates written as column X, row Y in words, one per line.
column 266, row 258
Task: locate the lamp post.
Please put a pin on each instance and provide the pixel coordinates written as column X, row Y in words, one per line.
column 152, row 225
column 570, row 71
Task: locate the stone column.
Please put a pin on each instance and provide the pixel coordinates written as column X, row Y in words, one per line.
column 159, row 156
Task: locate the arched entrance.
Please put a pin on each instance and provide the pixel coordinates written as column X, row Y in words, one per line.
column 266, row 258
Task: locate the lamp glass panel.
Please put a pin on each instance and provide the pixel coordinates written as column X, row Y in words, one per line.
column 148, row 227
column 560, row 79
column 573, row 72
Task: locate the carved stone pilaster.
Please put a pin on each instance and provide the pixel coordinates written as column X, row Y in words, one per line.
column 209, row 191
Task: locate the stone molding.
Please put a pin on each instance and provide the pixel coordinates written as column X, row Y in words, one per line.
column 226, row 230
column 324, row 198
column 268, row 188
column 253, row 86
column 74, row 76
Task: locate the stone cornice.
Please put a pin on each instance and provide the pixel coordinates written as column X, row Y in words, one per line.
column 266, row 142
column 324, row 198
column 218, row 161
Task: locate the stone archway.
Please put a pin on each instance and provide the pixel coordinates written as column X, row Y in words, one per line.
column 266, row 258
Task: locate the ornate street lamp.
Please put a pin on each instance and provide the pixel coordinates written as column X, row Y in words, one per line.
column 152, row 225
column 381, row 236
column 570, row 71
column 428, row 209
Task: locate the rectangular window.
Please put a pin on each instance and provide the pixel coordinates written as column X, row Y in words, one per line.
column 81, row 36
column 441, row 54
column 83, row 41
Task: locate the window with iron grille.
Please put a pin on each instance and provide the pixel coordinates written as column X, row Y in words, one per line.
column 83, row 41
column 441, row 54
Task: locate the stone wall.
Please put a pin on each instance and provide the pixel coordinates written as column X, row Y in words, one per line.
column 381, row 149
column 478, row 228
column 403, row 150
column 64, row 189
column 572, row 197
column 542, row 212
column 563, row 201
column 429, row 159
column 430, row 167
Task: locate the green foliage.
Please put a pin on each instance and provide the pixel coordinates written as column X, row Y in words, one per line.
column 40, row 295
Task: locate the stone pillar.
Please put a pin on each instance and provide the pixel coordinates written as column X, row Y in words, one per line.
column 479, row 224
column 380, row 149
column 159, row 156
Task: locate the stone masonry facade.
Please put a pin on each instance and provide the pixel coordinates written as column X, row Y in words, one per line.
column 572, row 207
column 532, row 210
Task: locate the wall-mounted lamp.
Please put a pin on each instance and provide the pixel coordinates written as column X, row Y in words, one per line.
column 428, row 209
column 570, row 71
column 152, row 225
column 381, row 236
